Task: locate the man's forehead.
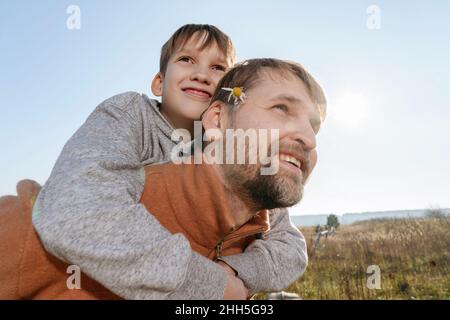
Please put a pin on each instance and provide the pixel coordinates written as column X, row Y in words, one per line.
column 277, row 86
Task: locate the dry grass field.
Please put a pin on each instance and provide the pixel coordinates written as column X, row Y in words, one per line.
column 413, row 256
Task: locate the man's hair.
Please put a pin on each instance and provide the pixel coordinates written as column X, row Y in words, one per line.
column 247, row 73
column 212, row 35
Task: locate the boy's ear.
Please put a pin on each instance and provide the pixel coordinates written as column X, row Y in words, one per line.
column 157, row 84
column 215, row 116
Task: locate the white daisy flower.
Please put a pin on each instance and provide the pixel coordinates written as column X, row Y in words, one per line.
column 237, row 93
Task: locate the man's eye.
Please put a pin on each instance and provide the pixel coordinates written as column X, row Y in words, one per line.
column 316, row 128
column 315, row 124
column 281, row 107
column 219, row 67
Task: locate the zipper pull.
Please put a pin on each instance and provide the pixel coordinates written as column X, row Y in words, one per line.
column 219, row 249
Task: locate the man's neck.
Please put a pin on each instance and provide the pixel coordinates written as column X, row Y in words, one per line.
column 240, row 210
column 241, row 206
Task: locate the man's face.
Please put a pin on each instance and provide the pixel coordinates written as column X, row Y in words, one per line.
column 190, row 79
column 278, row 102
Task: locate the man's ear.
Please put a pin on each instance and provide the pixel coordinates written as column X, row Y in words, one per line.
column 157, row 84
column 215, row 116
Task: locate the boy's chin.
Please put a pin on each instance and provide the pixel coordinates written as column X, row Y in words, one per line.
column 194, row 113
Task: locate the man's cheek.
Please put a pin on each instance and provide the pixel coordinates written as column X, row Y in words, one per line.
column 313, row 159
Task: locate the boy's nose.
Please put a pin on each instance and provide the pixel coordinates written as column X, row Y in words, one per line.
column 201, row 76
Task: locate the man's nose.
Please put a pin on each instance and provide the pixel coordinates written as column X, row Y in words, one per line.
column 304, row 134
column 201, row 74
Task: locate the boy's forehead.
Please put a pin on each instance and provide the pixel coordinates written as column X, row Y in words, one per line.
column 197, row 43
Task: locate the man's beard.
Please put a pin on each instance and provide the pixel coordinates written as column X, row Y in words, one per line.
column 281, row 190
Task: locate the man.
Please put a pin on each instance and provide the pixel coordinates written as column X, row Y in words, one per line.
column 221, row 207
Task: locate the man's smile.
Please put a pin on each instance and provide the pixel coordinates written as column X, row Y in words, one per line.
column 294, row 162
column 291, row 160
column 291, row 167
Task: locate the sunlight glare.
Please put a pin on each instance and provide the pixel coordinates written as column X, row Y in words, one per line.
column 350, row 109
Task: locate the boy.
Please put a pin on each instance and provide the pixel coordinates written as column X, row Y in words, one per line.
column 88, row 212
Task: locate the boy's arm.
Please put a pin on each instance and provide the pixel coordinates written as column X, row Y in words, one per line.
column 275, row 262
column 88, row 212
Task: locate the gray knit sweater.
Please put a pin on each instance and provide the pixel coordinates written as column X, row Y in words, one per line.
column 88, row 213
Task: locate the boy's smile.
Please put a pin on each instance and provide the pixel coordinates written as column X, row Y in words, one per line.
column 190, row 79
column 198, row 93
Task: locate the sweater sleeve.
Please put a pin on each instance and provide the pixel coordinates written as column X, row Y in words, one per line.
column 273, row 263
column 88, row 213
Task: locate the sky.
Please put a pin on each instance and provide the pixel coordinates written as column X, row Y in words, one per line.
column 385, row 66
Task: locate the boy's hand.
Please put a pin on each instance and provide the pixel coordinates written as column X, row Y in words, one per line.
column 235, row 289
column 227, row 268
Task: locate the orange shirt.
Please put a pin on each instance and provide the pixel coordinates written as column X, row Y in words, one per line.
column 186, row 199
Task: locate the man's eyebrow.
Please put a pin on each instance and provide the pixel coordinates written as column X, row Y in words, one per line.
column 288, row 98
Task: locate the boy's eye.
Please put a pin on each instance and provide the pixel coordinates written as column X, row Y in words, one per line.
column 185, row 59
column 219, row 67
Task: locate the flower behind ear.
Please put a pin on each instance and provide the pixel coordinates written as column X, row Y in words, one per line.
column 237, row 93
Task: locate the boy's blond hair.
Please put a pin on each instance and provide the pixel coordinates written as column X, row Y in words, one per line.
column 247, row 73
column 212, row 35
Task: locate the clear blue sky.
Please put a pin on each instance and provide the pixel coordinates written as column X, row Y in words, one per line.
column 385, row 145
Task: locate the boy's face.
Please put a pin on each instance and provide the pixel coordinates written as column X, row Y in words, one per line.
column 190, row 79
column 281, row 103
